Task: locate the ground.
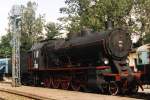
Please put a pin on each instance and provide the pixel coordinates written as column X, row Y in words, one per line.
column 57, row 94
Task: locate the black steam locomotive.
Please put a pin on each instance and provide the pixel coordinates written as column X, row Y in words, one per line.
column 86, row 60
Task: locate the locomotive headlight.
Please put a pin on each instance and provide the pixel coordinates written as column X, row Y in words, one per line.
column 106, row 61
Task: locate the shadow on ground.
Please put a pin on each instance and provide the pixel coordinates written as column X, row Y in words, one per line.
column 140, row 95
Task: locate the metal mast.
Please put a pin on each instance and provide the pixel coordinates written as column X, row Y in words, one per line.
column 15, row 18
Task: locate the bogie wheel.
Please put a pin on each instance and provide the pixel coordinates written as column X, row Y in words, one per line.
column 55, row 83
column 75, row 85
column 65, row 84
column 113, row 88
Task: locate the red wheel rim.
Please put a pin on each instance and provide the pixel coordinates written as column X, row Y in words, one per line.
column 55, row 83
column 75, row 85
column 65, row 84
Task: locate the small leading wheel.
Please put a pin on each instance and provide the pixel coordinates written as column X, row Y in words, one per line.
column 55, row 83
column 113, row 88
column 65, row 84
column 75, row 85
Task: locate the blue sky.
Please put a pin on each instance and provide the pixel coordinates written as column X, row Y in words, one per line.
column 48, row 7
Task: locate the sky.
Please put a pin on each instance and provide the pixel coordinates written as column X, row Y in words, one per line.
column 48, row 7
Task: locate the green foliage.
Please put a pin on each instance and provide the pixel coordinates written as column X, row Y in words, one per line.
column 94, row 13
column 31, row 26
column 31, row 30
column 143, row 8
column 146, row 38
column 52, row 30
column 5, row 48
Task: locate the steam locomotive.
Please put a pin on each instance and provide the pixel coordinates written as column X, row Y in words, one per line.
column 86, row 60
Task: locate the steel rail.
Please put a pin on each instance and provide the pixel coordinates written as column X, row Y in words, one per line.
column 24, row 94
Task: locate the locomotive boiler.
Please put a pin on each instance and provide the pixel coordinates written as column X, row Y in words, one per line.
column 86, row 60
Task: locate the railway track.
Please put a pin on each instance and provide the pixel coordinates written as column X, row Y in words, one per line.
column 23, row 95
column 39, row 93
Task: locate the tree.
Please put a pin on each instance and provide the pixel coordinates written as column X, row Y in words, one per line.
column 52, row 30
column 143, row 10
column 141, row 21
column 5, row 48
column 94, row 13
column 31, row 26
